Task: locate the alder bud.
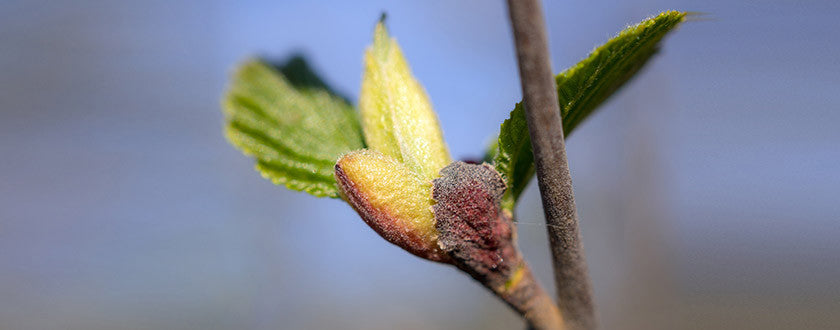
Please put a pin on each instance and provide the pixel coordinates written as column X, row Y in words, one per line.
column 473, row 229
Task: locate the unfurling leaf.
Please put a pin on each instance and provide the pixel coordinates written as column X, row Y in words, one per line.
column 392, row 200
column 293, row 126
column 397, row 117
column 580, row 89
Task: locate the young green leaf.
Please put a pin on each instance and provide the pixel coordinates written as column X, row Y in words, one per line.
column 514, row 158
column 581, row 89
column 293, row 126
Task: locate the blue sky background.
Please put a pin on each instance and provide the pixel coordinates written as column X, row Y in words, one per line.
column 707, row 189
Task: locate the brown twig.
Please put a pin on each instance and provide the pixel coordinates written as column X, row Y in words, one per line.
column 542, row 112
column 532, row 302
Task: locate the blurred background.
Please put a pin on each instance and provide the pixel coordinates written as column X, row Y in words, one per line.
column 707, row 189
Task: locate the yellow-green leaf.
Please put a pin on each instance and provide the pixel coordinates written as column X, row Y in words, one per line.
column 397, row 117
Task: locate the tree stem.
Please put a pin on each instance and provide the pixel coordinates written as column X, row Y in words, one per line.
column 542, row 112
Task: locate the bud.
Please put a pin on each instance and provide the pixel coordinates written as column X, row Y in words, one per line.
column 480, row 238
column 397, row 117
column 392, row 200
column 474, row 229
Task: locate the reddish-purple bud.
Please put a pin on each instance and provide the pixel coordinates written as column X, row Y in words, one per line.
column 472, row 227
